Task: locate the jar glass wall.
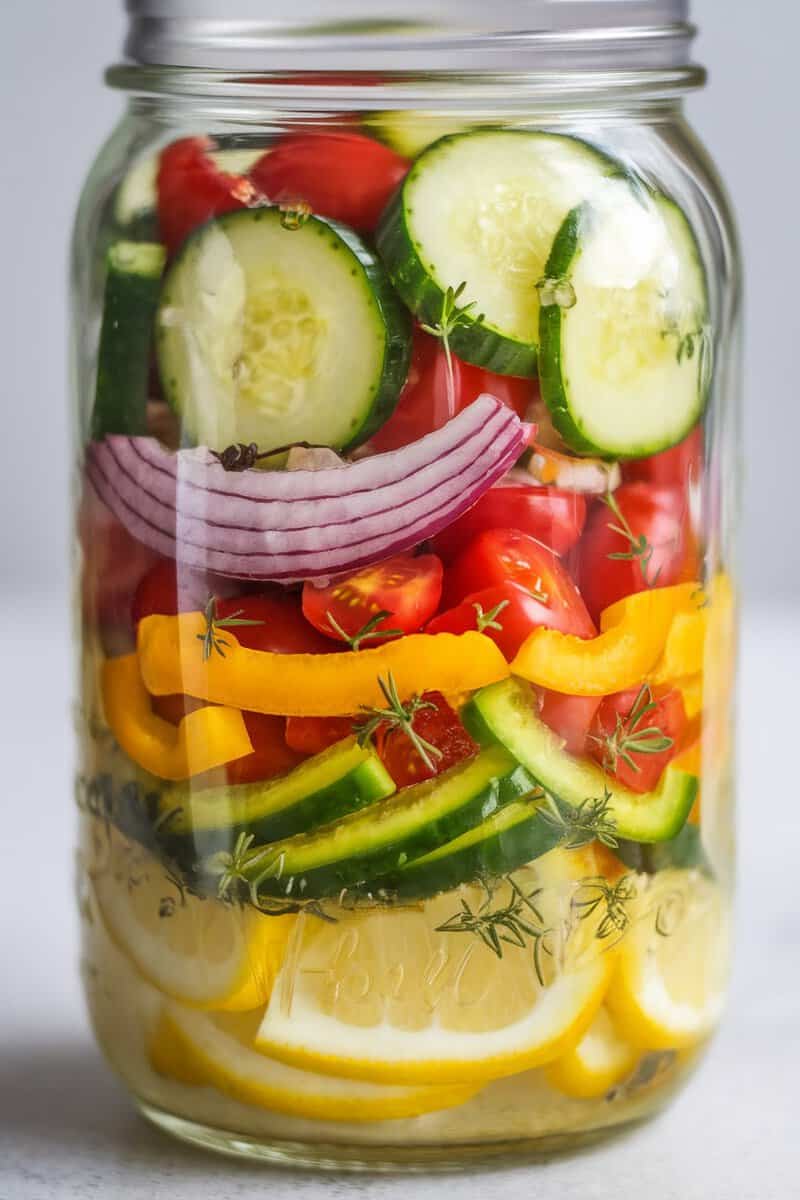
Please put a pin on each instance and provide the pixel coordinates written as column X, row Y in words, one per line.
column 405, row 507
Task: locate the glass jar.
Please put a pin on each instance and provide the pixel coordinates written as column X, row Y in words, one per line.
column 406, row 374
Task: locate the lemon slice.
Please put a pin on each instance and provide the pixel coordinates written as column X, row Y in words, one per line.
column 202, row 952
column 418, row 994
column 600, row 1060
column 668, row 990
column 216, row 1051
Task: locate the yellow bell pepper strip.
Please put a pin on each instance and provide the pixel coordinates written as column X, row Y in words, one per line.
column 706, row 624
column 631, row 641
column 309, row 685
column 209, row 737
column 691, row 690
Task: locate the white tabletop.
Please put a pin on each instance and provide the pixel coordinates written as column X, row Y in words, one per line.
column 67, row 1130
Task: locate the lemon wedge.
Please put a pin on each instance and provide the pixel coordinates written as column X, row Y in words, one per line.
column 599, row 1061
column 216, row 1051
column 669, row 986
column 202, row 952
column 472, row 985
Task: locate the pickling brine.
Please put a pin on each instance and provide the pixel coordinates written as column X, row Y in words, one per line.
column 407, row 616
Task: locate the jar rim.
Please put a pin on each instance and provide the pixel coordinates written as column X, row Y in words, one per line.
column 452, row 36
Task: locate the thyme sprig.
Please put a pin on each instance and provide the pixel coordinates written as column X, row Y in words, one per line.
column 452, row 317
column 397, row 717
column 640, row 551
column 631, row 736
column 589, row 821
column 211, row 638
column 598, row 892
column 367, row 632
column 242, row 456
column 488, row 620
column 517, row 923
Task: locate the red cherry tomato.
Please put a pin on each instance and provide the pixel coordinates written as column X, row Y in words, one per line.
column 631, row 720
column 191, row 189
column 312, row 735
column 506, row 613
column 642, row 542
column 438, row 725
column 501, row 556
column 554, row 518
column 345, row 176
column 570, row 717
column 118, row 563
column 680, row 465
column 428, row 401
column 271, row 756
column 407, row 588
column 280, row 629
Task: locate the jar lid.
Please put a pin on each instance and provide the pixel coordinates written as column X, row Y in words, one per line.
column 412, row 35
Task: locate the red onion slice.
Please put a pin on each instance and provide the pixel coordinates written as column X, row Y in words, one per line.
column 294, row 525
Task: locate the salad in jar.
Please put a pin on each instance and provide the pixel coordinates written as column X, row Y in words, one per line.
column 405, row 674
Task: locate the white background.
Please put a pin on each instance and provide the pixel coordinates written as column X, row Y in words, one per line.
column 55, row 112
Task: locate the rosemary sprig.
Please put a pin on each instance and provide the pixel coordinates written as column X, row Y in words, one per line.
column 631, row 737
column 488, row 620
column 583, row 823
column 451, row 318
column 614, row 897
column 640, row 551
column 211, row 639
column 228, row 866
column 517, row 923
column 367, row 632
column 397, row 717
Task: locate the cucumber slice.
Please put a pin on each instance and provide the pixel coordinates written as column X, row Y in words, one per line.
column 507, row 840
column 372, row 843
column 322, row 789
column 625, row 344
column 482, row 209
column 409, row 133
column 506, row 712
column 686, row 851
column 274, row 334
column 133, row 283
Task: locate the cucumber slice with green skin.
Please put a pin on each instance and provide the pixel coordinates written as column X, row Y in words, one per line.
column 625, row 344
column 373, row 843
column 509, row 839
column 482, row 209
column 506, row 713
column 342, row 779
column 686, row 851
column 133, row 284
column 275, row 334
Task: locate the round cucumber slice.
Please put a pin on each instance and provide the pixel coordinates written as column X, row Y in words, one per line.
column 625, row 341
column 481, row 210
column 273, row 331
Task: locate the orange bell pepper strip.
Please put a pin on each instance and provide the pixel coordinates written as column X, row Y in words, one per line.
column 309, row 685
column 209, row 737
column 631, row 641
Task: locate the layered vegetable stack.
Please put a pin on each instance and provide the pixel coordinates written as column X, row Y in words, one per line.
column 408, row 657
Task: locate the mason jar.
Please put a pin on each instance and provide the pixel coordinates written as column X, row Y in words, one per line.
column 405, row 364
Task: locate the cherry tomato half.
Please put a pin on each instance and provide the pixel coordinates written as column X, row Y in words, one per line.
column 554, row 518
column 271, row 756
column 506, row 613
column 429, row 399
column 635, row 539
column 682, row 464
column 191, row 189
column 439, row 726
column 345, row 176
column 407, row 588
column 634, row 735
column 312, row 735
column 280, row 626
column 500, row 556
column 570, row 717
